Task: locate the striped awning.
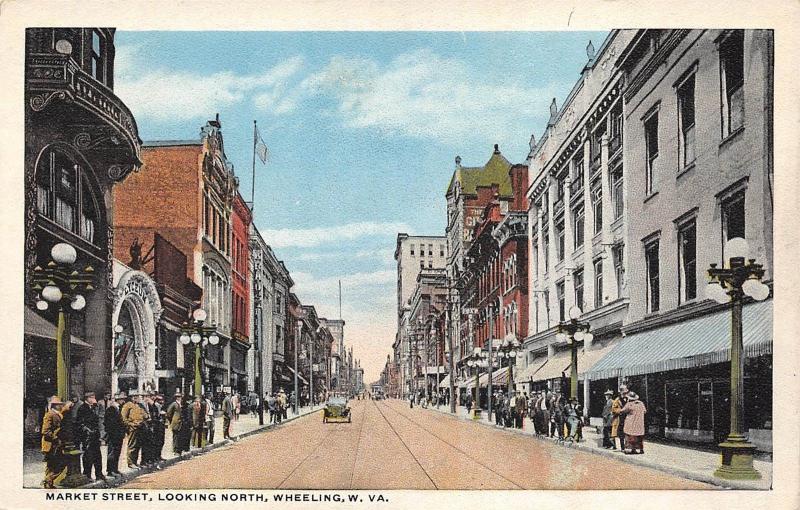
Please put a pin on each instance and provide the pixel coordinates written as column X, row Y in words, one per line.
column 36, row 325
column 554, row 366
column 587, row 359
column 688, row 344
column 499, row 378
column 524, row 375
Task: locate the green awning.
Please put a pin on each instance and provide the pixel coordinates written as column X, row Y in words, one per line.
column 688, row 344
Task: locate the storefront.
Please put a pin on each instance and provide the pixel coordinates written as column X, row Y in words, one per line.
column 682, row 372
column 136, row 313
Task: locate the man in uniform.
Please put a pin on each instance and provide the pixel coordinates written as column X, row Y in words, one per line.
column 115, row 433
column 135, row 417
column 87, row 426
column 55, row 463
column 174, row 421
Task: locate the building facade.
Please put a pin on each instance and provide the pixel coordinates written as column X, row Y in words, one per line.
column 241, row 219
column 81, row 140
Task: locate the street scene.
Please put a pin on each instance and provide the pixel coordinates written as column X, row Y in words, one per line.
column 278, row 269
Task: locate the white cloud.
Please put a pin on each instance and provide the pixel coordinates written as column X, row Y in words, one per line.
column 375, row 254
column 160, row 94
column 424, row 95
column 306, row 238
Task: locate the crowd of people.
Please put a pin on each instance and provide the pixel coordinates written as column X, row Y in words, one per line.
column 432, row 398
column 73, row 431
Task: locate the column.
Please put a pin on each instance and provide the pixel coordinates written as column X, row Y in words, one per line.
column 551, row 250
column 569, row 244
column 585, row 396
column 609, row 278
column 588, row 227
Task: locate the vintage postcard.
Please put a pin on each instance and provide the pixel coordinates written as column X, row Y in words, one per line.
column 368, row 261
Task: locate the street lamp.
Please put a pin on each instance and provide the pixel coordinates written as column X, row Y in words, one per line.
column 474, row 361
column 201, row 336
column 729, row 285
column 573, row 331
column 509, row 349
column 59, row 284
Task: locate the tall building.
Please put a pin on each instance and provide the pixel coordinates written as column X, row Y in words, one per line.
column 81, row 141
column 699, row 171
column 426, row 317
column 184, row 193
column 241, row 218
column 336, row 329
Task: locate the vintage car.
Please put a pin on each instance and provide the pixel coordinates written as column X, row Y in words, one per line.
column 336, row 410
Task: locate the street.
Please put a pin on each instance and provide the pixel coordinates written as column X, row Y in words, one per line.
column 389, row 446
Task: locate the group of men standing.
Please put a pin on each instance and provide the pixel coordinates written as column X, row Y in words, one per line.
column 511, row 409
column 555, row 416
column 73, row 432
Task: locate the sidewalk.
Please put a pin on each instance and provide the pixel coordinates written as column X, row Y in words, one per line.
column 684, row 462
column 33, row 465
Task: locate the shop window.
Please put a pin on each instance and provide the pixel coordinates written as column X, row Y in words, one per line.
column 731, row 63
column 652, row 268
column 651, row 146
column 687, row 259
column 686, row 139
column 682, row 404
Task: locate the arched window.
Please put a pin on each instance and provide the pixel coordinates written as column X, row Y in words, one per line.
column 64, row 195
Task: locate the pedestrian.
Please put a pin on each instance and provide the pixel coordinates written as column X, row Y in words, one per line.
column 623, row 399
column 55, row 465
column 571, row 415
column 198, row 422
column 228, row 410
column 149, row 442
column 522, row 409
column 102, row 405
column 135, row 417
column 159, row 427
column 236, row 402
column 210, row 409
column 87, row 425
column 280, row 404
column 115, row 433
column 634, row 412
column 185, row 433
column 608, row 418
column 175, row 421
column 285, row 403
column 468, row 402
column 271, row 407
column 254, row 403
column 558, row 419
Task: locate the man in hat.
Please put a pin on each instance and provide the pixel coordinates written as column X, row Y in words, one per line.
column 227, row 413
column 87, row 427
column 174, row 421
column 55, row 463
column 159, row 427
column 608, row 417
column 198, row 422
column 620, row 404
column 135, row 417
column 571, row 414
column 209, row 417
column 115, row 433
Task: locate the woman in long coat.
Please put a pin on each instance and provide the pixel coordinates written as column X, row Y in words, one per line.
column 634, row 412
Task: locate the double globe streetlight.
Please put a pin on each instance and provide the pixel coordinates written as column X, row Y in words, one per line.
column 738, row 278
column 59, row 284
column 509, row 349
column 477, row 360
column 573, row 331
column 199, row 335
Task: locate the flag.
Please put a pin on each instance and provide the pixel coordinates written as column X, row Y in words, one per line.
column 261, row 148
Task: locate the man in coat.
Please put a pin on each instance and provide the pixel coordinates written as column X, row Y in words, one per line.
column 159, row 427
column 55, row 463
column 623, row 399
column 209, row 417
column 87, row 425
column 634, row 412
column 199, row 422
column 522, row 409
column 135, row 417
column 175, row 422
column 228, row 411
column 608, row 417
column 115, row 433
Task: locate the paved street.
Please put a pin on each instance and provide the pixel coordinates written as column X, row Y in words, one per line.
column 389, row 446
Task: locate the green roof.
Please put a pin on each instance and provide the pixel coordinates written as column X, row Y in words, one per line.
column 495, row 171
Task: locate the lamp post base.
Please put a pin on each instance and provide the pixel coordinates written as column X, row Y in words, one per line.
column 737, row 460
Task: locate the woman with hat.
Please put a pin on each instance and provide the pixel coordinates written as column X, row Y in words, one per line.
column 634, row 412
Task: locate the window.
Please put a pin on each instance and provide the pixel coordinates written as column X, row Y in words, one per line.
column 687, row 261
column 98, row 43
column 598, row 283
column 560, row 297
column 617, row 198
column 619, row 267
column 731, row 63
column 430, row 250
column 422, row 264
column 616, row 128
column 547, row 308
column 597, row 207
column 546, row 250
column 651, row 146
column 441, row 250
column 651, row 263
column 560, row 240
column 64, row 195
column 412, row 250
column 686, row 121
column 577, row 279
column 430, row 264
column 733, row 218
column 577, row 225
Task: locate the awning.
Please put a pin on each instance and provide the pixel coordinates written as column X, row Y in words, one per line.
column 299, row 376
column 588, row 359
column 524, row 375
column 558, row 363
column 445, row 382
column 688, row 344
column 36, row 325
column 499, row 378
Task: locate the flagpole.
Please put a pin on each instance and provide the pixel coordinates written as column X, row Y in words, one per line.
column 253, row 189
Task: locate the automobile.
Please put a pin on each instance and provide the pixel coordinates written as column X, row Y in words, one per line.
column 377, row 396
column 336, row 410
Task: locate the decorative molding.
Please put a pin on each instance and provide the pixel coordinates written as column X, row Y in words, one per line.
column 39, row 102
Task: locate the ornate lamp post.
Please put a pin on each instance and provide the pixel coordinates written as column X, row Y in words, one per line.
column 474, row 362
column 201, row 336
column 572, row 332
column 509, row 349
column 59, row 284
column 729, row 285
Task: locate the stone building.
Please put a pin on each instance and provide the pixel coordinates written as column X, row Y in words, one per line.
column 81, row 140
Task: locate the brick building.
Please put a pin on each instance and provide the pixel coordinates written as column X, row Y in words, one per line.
column 241, row 218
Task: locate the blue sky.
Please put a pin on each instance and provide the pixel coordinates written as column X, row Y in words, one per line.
column 362, row 128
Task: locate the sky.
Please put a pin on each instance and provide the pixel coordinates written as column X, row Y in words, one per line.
column 362, row 129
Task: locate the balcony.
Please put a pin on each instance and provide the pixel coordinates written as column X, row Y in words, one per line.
column 56, row 82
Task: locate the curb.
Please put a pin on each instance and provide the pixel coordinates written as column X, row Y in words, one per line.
column 126, row 477
column 683, row 473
